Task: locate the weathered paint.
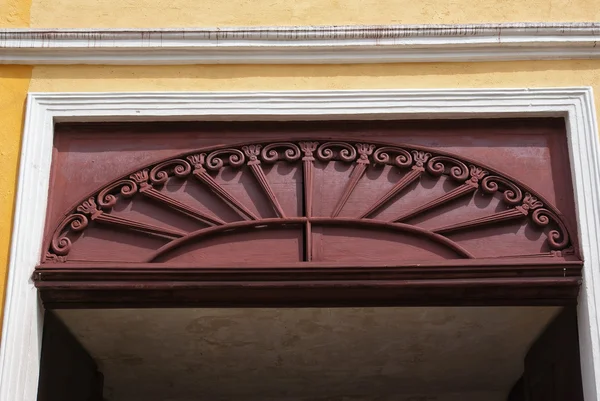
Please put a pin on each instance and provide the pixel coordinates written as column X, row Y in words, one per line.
column 14, row 82
column 14, row 13
column 190, row 13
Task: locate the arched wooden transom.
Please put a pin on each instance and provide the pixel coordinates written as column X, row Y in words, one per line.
column 310, row 201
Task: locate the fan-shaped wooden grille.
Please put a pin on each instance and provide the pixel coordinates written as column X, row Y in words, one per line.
column 311, row 213
column 348, row 195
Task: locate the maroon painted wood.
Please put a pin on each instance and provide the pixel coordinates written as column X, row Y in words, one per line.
column 325, row 206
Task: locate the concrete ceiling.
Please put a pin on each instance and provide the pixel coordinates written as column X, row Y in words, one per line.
column 312, row 354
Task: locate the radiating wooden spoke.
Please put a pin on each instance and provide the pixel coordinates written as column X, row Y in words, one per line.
column 252, row 152
column 364, row 151
column 202, row 175
column 90, row 208
column 146, row 189
column 468, row 187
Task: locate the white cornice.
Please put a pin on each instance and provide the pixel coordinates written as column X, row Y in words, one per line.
column 302, row 45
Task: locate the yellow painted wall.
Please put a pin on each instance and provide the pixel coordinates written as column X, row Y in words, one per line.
column 14, row 13
column 189, row 13
column 305, row 77
column 14, row 83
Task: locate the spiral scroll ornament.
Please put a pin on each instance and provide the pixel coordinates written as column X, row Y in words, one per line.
column 393, row 155
column 107, row 196
column 219, row 158
column 456, row 169
column 61, row 244
column 511, row 193
column 287, row 151
column 177, row 167
column 345, row 152
column 557, row 238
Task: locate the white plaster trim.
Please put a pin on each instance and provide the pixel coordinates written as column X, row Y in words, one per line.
column 302, row 44
column 20, row 348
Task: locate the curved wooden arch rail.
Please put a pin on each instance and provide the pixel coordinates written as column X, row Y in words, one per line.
column 522, row 204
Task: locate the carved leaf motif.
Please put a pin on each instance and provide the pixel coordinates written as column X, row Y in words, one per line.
column 140, row 177
column 346, row 152
column 364, row 151
column 197, row 161
column 88, row 207
column 308, row 149
column 477, row 173
column 252, row 152
column 291, row 152
column 531, row 202
column 420, row 157
column 403, row 157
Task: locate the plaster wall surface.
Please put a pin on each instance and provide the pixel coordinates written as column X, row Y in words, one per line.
column 208, row 13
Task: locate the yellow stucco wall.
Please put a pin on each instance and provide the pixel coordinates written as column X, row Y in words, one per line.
column 299, row 77
column 15, row 80
column 170, row 13
column 14, row 13
column 14, row 83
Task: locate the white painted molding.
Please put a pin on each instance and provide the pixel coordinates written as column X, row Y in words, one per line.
column 302, row 45
column 20, row 348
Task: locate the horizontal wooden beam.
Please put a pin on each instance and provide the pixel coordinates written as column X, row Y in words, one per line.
column 532, row 291
column 458, row 282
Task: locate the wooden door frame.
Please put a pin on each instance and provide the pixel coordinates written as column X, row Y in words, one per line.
column 23, row 316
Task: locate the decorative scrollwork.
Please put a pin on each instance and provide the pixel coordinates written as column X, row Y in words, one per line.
column 437, row 166
column 54, row 258
column 512, row 194
column 107, row 198
column 252, row 152
column 557, row 239
column 308, row 149
column 403, row 157
column 420, row 157
column 61, row 244
column 346, row 153
column 215, row 160
column 148, row 179
column 476, row 173
column 291, row 152
column 197, row 160
column 364, row 151
column 161, row 172
column 530, row 202
column 88, row 207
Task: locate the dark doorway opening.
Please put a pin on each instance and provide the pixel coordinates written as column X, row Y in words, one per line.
column 349, row 354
